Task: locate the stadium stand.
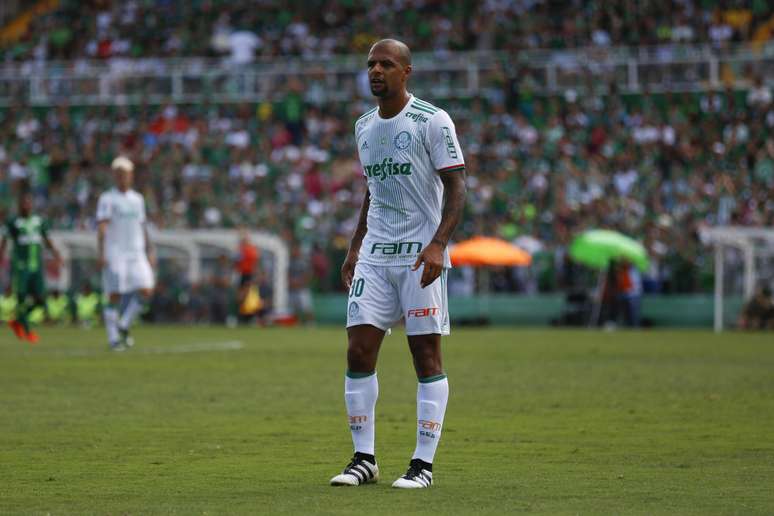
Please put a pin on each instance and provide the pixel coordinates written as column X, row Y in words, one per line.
column 656, row 163
column 234, row 28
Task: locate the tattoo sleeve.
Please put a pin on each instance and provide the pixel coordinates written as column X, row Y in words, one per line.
column 454, row 190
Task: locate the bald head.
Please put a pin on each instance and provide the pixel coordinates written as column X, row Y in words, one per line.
column 389, row 67
column 397, row 48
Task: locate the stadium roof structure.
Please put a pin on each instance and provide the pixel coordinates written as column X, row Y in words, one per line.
column 752, row 242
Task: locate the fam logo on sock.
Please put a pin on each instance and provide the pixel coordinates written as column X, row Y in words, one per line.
column 356, row 422
column 428, row 428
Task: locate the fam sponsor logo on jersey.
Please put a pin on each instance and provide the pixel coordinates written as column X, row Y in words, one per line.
column 422, row 312
column 387, row 168
column 396, row 247
column 417, row 117
column 451, row 149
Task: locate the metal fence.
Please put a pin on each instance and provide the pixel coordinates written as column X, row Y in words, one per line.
column 341, row 78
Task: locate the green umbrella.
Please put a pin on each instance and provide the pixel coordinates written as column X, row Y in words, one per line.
column 597, row 247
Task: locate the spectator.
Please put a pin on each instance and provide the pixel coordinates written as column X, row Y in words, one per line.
column 87, row 306
column 300, row 296
column 7, row 305
column 629, row 289
column 58, row 307
column 246, row 263
column 758, row 312
column 759, row 96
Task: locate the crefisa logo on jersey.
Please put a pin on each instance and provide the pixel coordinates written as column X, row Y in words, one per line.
column 387, row 168
column 402, row 140
column 417, row 117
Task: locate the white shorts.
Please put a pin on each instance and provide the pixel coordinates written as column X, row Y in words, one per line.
column 127, row 275
column 380, row 296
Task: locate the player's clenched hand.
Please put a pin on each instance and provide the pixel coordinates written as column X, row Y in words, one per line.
column 348, row 269
column 101, row 263
column 432, row 257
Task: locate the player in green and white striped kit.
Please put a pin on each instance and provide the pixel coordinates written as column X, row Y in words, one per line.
column 28, row 232
column 397, row 263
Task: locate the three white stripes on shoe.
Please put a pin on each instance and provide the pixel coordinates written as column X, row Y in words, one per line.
column 361, row 391
column 357, row 472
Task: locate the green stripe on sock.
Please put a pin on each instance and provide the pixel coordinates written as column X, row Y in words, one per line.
column 431, row 379
column 353, row 374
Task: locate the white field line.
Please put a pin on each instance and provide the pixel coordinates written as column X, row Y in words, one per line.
column 196, row 347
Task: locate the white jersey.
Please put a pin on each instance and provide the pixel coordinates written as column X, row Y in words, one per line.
column 125, row 214
column 402, row 158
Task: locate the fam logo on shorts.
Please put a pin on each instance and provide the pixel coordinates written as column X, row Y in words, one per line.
column 423, row 312
column 354, row 309
column 402, row 140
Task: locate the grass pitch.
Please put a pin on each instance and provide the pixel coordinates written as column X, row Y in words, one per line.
column 216, row 421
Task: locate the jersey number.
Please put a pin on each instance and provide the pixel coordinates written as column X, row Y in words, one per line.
column 356, row 289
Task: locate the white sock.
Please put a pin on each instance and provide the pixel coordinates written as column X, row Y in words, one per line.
column 111, row 323
column 431, row 408
column 133, row 308
column 360, row 396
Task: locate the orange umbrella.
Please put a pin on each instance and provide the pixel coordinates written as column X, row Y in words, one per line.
column 484, row 251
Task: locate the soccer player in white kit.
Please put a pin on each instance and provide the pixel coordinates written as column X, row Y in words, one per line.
column 397, row 262
column 125, row 254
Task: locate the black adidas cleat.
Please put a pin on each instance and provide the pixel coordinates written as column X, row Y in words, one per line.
column 126, row 339
column 417, row 477
column 358, row 472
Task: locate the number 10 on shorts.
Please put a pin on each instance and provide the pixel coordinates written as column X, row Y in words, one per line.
column 356, row 290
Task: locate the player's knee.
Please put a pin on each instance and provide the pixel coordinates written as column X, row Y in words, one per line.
column 427, row 362
column 359, row 357
column 429, row 368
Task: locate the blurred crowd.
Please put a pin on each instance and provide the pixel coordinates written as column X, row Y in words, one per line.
column 657, row 167
column 243, row 30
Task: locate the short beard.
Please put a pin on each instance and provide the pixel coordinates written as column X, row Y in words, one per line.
column 383, row 93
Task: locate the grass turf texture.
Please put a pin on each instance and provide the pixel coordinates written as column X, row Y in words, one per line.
column 538, row 421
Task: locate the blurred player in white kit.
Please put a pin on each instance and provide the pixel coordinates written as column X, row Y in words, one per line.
column 126, row 256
